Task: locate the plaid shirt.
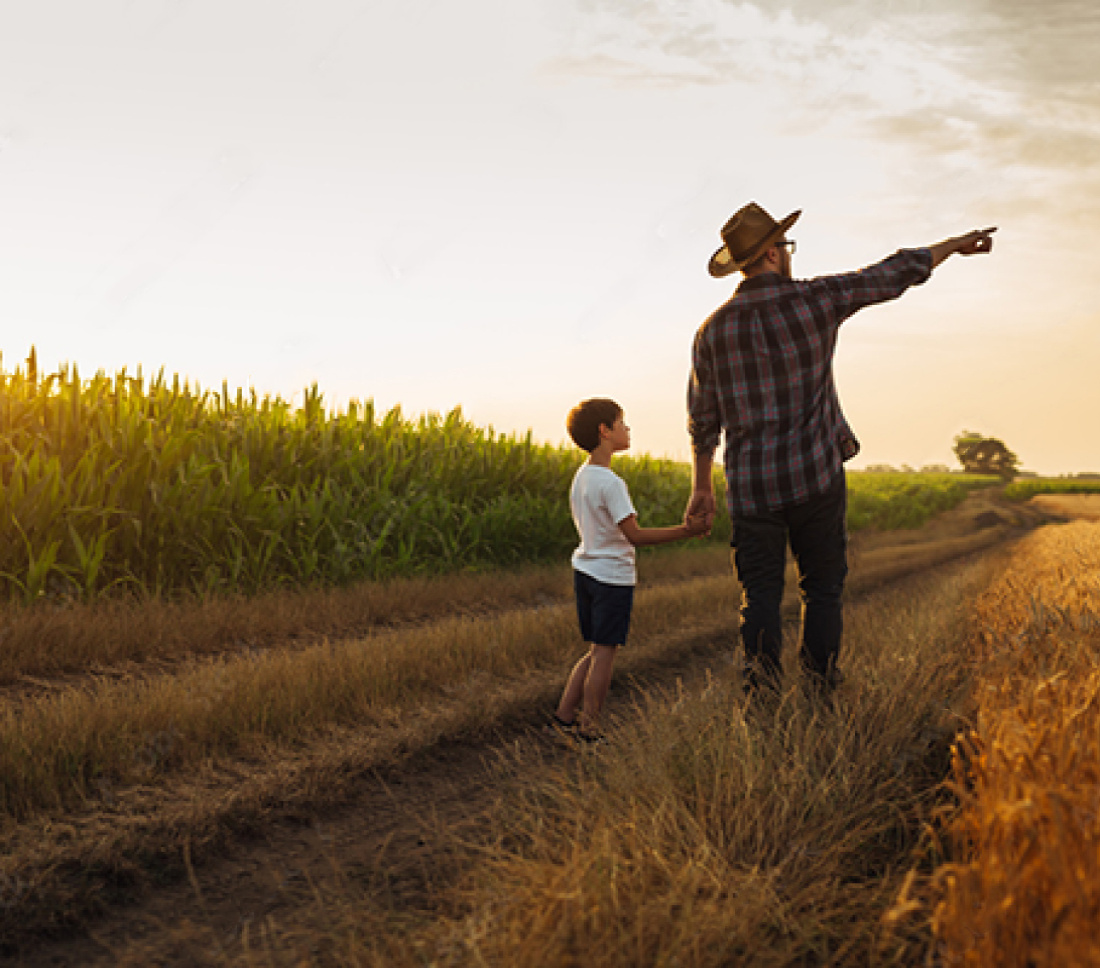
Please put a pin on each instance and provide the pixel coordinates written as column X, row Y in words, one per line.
column 762, row 372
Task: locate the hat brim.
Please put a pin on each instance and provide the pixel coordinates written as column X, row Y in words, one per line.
column 722, row 262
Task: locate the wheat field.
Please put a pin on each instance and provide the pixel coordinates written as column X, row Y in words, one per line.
column 1025, row 887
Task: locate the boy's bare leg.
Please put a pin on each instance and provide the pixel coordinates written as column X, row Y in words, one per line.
column 573, row 694
column 597, row 684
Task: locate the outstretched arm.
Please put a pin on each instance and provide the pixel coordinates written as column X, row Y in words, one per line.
column 973, row 243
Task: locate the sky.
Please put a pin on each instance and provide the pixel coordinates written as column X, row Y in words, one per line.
column 508, row 205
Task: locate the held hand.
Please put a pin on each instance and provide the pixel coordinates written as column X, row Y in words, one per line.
column 697, row 525
column 701, row 507
column 976, row 242
column 702, row 502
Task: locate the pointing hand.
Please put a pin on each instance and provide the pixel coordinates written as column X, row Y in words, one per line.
column 978, row 241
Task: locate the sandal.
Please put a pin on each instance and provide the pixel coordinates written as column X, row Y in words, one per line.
column 560, row 728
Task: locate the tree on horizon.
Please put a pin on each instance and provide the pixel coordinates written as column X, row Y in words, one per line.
column 979, row 454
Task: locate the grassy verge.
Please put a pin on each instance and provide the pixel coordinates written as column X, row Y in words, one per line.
column 59, row 641
column 888, row 501
column 1025, row 488
column 57, row 750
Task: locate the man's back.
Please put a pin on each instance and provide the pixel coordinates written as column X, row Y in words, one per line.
column 762, row 374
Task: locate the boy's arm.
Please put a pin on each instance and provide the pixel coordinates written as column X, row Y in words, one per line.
column 650, row 536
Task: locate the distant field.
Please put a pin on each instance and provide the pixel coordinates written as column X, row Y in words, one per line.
column 1025, row 488
column 122, row 485
column 897, row 500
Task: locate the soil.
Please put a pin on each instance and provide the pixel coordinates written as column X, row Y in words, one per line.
column 396, row 830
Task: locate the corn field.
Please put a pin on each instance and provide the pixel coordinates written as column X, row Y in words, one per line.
column 157, row 487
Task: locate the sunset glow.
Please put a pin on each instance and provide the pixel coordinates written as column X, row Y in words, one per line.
column 509, row 206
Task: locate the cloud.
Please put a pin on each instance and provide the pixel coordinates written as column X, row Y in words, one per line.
column 1047, row 48
column 1036, row 143
column 1028, row 92
column 656, row 43
column 1004, row 80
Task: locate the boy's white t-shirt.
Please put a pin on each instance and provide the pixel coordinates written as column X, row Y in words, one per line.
column 599, row 500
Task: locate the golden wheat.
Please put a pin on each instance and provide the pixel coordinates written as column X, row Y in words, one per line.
column 1025, row 889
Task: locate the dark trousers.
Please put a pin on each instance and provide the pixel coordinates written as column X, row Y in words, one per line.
column 818, row 535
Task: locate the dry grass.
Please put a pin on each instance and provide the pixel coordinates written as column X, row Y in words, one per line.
column 60, row 867
column 111, row 775
column 52, row 641
column 1025, row 888
column 55, row 750
column 710, row 831
column 1085, row 506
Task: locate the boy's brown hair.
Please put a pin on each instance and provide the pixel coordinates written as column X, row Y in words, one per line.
column 585, row 419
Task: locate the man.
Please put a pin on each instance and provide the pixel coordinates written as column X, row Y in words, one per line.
column 762, row 375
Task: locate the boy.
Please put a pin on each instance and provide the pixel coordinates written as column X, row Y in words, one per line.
column 604, row 574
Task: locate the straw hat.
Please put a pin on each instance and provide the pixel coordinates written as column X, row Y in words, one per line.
column 746, row 236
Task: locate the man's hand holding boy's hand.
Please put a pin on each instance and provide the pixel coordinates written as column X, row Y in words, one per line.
column 701, row 506
column 701, row 502
column 697, row 524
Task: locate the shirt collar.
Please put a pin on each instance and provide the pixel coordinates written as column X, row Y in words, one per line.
column 761, row 281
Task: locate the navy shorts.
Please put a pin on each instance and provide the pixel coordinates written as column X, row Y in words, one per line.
column 603, row 609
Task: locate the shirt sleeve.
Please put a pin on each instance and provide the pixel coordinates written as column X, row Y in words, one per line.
column 704, row 418
column 617, row 499
column 886, row 280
